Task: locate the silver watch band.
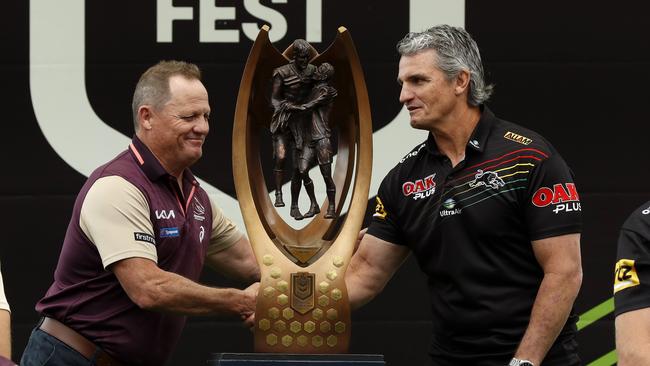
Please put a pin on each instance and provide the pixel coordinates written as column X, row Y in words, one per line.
column 517, row 362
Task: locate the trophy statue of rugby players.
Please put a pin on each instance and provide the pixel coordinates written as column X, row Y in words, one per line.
column 303, row 306
column 302, row 99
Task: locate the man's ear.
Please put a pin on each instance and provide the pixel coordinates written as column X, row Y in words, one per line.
column 145, row 115
column 462, row 81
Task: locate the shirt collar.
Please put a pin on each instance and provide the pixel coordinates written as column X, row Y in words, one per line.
column 478, row 138
column 150, row 165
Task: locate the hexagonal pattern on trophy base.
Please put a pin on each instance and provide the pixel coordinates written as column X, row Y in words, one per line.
column 322, row 329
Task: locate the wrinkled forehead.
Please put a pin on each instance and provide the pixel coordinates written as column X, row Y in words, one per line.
column 184, row 90
column 423, row 61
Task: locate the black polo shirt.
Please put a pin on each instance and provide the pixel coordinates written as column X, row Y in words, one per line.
column 632, row 271
column 470, row 228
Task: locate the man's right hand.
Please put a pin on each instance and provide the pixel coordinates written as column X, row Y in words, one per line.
column 250, row 298
column 248, row 315
column 250, row 322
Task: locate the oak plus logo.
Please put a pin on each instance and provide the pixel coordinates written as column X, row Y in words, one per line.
column 564, row 197
column 421, row 188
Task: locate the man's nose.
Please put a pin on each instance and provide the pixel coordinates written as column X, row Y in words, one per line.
column 405, row 94
column 202, row 126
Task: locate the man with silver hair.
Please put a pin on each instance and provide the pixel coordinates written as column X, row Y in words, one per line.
column 488, row 208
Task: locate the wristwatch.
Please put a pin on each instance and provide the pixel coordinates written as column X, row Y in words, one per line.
column 518, row 362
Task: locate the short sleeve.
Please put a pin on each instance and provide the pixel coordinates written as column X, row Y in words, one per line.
column 4, row 305
column 632, row 269
column 115, row 217
column 224, row 232
column 384, row 223
column 6, row 362
column 552, row 203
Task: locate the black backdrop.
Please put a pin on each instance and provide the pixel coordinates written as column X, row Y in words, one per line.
column 576, row 71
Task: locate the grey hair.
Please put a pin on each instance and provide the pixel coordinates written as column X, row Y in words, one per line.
column 456, row 50
column 153, row 86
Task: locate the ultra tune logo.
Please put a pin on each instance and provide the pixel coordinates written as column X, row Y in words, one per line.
column 421, row 188
column 449, row 208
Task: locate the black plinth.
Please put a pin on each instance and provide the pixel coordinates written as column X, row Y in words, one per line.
column 280, row 359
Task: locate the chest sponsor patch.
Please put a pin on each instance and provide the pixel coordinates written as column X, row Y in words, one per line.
column 517, row 138
column 564, row 197
column 625, row 275
column 169, row 232
column 421, row 188
column 449, row 208
column 198, row 211
column 144, row 237
column 165, row 214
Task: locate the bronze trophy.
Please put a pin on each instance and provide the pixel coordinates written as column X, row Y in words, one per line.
column 303, row 305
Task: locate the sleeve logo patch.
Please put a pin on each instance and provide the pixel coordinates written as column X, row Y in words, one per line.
column 380, row 212
column 517, row 138
column 564, row 197
column 144, row 237
column 625, row 275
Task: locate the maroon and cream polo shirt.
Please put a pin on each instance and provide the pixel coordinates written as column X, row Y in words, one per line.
column 131, row 207
column 6, row 362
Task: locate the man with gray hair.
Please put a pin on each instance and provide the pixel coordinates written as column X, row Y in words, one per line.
column 141, row 230
column 488, row 208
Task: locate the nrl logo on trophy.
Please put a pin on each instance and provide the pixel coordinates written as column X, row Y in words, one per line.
column 313, row 105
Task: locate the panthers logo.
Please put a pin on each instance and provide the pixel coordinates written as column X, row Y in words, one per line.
column 488, row 179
